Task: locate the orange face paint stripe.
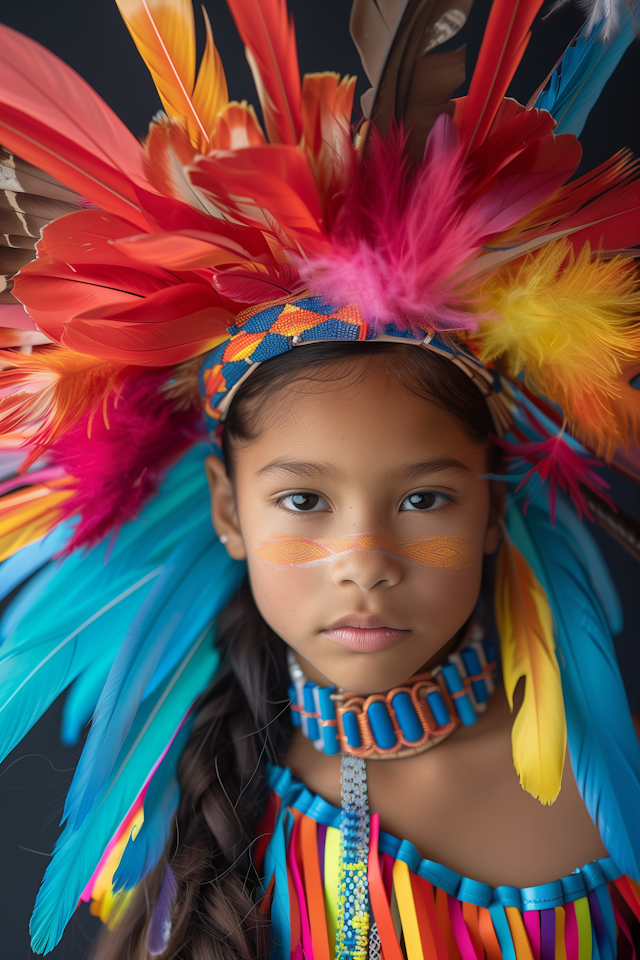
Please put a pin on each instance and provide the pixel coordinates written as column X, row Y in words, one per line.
column 450, row 552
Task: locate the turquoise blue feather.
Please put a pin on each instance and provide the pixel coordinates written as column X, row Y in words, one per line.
column 196, row 583
column 603, row 745
column 53, row 628
column 83, row 695
column 579, row 79
column 23, row 564
column 77, row 853
column 160, row 803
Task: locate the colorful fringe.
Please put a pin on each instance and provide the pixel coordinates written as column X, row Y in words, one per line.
column 422, row 910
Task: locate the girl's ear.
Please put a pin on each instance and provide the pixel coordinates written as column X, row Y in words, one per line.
column 224, row 513
column 493, row 536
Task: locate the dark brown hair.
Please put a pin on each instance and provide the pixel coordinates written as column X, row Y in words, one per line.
column 242, row 719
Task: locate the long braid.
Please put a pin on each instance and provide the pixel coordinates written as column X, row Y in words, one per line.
column 241, row 724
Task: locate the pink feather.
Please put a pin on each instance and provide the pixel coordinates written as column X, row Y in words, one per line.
column 118, row 468
column 403, row 234
column 554, row 460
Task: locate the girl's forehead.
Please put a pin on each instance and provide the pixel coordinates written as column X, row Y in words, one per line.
column 374, row 424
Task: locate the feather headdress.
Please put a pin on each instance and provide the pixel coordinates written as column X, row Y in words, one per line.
column 166, row 270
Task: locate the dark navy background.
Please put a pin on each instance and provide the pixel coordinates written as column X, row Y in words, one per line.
column 91, row 37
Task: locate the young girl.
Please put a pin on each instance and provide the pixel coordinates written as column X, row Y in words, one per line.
column 409, row 347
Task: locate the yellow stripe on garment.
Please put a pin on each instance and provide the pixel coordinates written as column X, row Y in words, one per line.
column 561, row 950
column 583, row 917
column 407, row 908
column 518, row 934
column 27, row 515
column 331, row 871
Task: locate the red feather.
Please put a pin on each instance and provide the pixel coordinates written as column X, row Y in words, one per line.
column 267, row 32
column 505, row 39
column 255, row 286
column 162, row 329
column 52, row 118
column 277, row 182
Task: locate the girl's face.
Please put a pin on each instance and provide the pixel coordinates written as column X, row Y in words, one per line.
column 362, row 515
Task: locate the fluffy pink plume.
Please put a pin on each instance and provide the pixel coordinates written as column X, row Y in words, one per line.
column 118, row 469
column 403, row 234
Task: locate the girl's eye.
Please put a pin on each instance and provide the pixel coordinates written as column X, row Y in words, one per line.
column 424, row 500
column 304, row 502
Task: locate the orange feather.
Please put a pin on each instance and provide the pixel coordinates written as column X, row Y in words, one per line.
column 327, row 103
column 164, row 33
column 237, row 127
column 62, row 386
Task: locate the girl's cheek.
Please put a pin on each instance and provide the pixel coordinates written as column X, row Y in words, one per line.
column 284, row 593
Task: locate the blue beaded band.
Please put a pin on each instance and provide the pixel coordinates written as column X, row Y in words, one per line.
column 405, row 720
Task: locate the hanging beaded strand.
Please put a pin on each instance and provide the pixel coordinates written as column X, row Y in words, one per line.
column 352, row 933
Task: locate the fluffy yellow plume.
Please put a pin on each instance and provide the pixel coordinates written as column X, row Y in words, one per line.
column 539, row 734
column 568, row 322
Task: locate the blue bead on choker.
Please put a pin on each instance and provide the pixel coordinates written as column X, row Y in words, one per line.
column 406, row 720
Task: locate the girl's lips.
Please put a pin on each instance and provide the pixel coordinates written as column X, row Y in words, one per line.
column 365, row 639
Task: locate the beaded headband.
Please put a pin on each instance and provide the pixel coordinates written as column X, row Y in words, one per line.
column 272, row 329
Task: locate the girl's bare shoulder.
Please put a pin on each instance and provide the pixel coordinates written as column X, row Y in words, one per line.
column 462, row 805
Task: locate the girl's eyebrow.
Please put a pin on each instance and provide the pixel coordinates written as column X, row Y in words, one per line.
column 415, row 470
column 314, row 469
column 298, row 468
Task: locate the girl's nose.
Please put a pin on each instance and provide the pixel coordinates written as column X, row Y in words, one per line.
column 367, row 569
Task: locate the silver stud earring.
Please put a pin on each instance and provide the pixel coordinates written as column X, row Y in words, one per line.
column 223, row 538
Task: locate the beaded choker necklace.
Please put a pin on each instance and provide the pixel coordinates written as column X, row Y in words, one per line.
column 405, row 720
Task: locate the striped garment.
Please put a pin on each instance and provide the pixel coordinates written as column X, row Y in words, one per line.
column 421, row 909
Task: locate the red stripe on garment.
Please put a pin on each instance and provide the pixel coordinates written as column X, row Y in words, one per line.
column 313, row 888
column 472, row 920
column 444, row 922
column 378, row 896
column 622, row 884
column 433, row 944
column 265, row 829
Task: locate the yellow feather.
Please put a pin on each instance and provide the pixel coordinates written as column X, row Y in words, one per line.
column 539, row 734
column 29, row 514
column 210, row 94
column 164, row 33
column 569, row 322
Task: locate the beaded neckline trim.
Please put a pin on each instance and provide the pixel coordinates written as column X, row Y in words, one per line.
column 400, row 722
